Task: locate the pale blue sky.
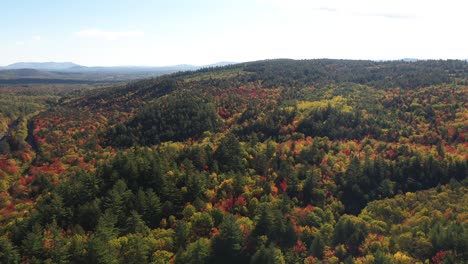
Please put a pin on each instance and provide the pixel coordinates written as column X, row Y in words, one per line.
column 145, row 32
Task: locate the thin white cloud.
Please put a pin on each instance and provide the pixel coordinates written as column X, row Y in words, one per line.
column 106, row 34
column 388, row 15
column 32, row 40
column 395, row 9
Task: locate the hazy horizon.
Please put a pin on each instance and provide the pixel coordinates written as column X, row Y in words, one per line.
column 118, row 65
column 161, row 33
column 213, row 63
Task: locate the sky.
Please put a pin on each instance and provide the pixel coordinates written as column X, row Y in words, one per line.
column 200, row 32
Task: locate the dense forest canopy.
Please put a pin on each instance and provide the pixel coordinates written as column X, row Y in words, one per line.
column 174, row 117
column 277, row 161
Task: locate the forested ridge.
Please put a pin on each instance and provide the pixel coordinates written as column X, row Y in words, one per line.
column 277, row 161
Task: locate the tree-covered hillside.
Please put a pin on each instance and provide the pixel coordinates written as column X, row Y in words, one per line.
column 280, row 161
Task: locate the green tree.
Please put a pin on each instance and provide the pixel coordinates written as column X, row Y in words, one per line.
column 202, row 223
column 134, row 250
column 32, row 245
column 117, row 200
column 317, row 247
column 8, row 252
column 268, row 255
column 229, row 154
column 135, row 224
column 350, row 231
column 227, row 245
column 198, row 252
column 354, row 185
column 99, row 250
column 181, row 234
column 152, row 212
column 265, row 222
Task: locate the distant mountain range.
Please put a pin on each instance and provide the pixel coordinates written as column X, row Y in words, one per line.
column 73, row 67
column 48, row 66
column 409, row 60
column 69, row 72
column 414, row 60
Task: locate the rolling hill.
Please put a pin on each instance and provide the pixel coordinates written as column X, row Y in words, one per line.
column 276, row 161
column 71, row 73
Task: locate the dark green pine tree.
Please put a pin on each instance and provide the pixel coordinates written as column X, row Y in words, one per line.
column 267, row 255
column 198, row 252
column 289, row 236
column 265, row 222
column 353, row 184
column 229, row 154
column 317, row 247
column 350, row 231
column 8, row 252
column 181, row 234
column 153, row 211
column 227, row 245
column 98, row 250
column 135, row 224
